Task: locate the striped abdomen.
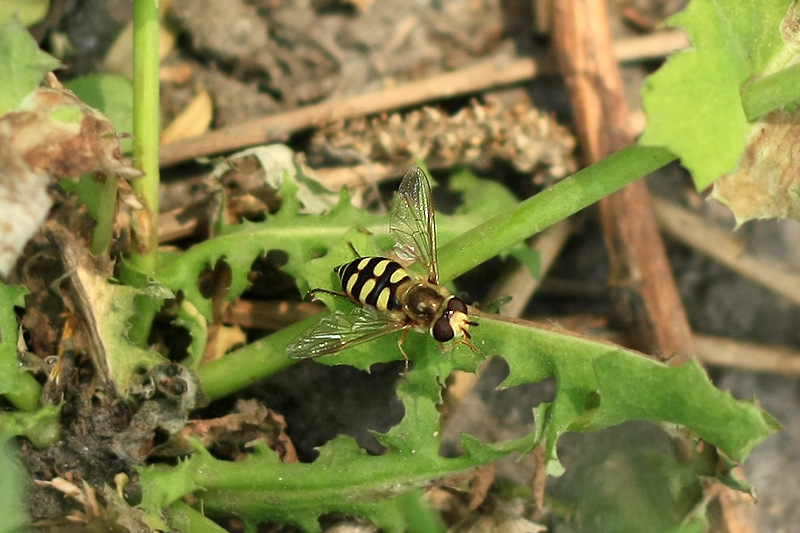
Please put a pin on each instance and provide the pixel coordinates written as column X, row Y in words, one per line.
column 373, row 281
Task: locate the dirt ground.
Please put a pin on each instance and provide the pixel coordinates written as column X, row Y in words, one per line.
column 261, row 57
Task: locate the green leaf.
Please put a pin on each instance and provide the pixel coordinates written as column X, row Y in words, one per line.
column 420, row 515
column 347, row 480
column 13, row 508
column 314, row 246
column 599, row 385
column 167, row 485
column 637, row 388
column 17, row 385
column 528, row 257
column 693, row 102
column 29, row 12
column 115, row 306
column 112, row 95
column 22, row 64
column 480, row 198
column 625, row 481
column 343, row 479
column 41, row 427
column 188, row 317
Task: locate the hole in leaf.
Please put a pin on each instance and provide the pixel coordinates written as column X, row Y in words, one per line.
column 592, row 401
column 172, row 339
column 215, row 281
column 267, row 279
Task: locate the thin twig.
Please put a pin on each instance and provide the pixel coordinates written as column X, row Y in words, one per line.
column 488, row 74
column 270, row 315
column 696, row 232
column 747, row 355
column 711, row 350
column 519, row 281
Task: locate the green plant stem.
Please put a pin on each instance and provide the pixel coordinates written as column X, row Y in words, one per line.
column 247, row 365
column 184, row 518
column 106, row 211
column 146, row 121
column 261, row 485
column 550, row 206
column 771, row 92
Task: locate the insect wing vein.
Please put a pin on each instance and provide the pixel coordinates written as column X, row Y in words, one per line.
column 412, row 222
column 340, row 330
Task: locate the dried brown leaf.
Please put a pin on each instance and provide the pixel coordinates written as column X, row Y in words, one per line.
column 249, row 422
column 193, row 121
column 52, row 135
column 766, row 183
column 480, row 485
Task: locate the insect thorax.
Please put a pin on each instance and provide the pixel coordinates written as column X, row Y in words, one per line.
column 424, row 301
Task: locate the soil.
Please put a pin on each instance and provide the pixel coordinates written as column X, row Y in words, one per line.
column 262, row 57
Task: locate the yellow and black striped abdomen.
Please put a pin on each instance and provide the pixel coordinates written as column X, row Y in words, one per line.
column 373, row 281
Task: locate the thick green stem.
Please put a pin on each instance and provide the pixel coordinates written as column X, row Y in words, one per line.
column 772, row 92
column 247, row 365
column 146, row 119
column 184, row 518
column 146, row 125
column 566, row 198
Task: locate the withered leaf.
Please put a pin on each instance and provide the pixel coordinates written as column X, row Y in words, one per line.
column 766, row 184
column 52, row 135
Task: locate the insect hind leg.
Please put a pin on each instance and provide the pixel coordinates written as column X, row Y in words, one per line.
column 312, row 292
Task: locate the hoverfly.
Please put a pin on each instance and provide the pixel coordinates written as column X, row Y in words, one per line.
column 389, row 297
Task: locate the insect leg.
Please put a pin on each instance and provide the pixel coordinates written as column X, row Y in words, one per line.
column 400, row 346
column 350, row 244
column 312, row 292
column 464, row 340
column 467, row 342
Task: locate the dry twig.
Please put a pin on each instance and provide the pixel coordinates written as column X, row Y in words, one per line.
column 696, row 232
column 488, row 74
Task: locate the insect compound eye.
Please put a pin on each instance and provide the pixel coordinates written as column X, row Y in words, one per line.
column 442, row 330
column 456, row 304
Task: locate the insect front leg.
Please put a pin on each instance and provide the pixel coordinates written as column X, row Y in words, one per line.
column 467, row 342
column 463, row 340
column 353, row 248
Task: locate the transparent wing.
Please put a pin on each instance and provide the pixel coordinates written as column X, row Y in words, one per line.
column 412, row 222
column 339, row 330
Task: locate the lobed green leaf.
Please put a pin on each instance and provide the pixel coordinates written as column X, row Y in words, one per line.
column 16, row 384
column 693, row 103
column 22, row 64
